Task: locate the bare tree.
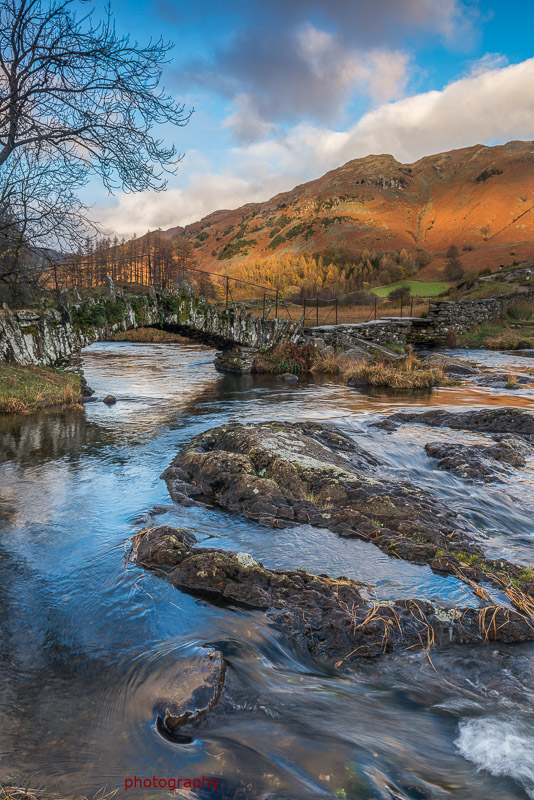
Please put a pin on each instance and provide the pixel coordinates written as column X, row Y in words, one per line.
column 76, row 99
column 89, row 94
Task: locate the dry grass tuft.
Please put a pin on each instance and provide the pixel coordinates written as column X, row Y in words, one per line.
column 148, row 336
column 21, row 793
column 400, row 376
column 407, row 373
column 24, row 389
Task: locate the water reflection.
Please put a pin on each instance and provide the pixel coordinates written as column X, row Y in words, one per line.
column 85, row 642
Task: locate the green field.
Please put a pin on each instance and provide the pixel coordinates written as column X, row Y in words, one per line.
column 417, row 288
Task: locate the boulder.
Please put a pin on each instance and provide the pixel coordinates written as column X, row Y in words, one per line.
column 450, row 365
column 356, row 381
column 328, row 351
column 109, row 400
column 502, row 380
column 355, row 354
column 85, row 388
column 239, row 360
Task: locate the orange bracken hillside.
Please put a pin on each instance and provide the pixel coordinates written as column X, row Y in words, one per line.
column 478, row 198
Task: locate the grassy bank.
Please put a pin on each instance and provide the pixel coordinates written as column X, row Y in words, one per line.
column 24, row 389
column 148, row 336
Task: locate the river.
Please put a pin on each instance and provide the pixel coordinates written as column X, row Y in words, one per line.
column 86, row 639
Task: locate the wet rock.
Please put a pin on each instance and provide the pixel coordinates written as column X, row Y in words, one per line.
column 85, row 388
column 289, row 377
column 155, row 510
column 109, row 400
column 328, row 617
column 502, row 380
column 282, row 473
column 489, row 420
column 451, row 366
column 239, row 360
column 192, row 692
column 478, row 462
column 357, row 381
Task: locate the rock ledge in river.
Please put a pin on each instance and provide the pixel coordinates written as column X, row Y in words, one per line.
column 328, row 617
column 281, row 473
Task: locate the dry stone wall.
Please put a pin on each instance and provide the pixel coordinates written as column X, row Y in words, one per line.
column 461, row 316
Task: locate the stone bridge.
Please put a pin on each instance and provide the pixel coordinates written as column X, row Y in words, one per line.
column 53, row 336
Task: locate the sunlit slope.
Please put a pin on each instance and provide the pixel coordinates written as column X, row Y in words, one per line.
column 478, row 198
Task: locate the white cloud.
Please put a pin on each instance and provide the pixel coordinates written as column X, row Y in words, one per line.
column 245, row 122
column 495, row 105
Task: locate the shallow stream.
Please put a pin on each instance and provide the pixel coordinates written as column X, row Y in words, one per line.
column 86, row 640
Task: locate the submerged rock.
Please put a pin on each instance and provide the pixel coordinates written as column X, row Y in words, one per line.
column 109, row 400
column 481, row 462
column 289, row 377
column 193, row 691
column 282, row 473
column 328, row 617
column 502, row 380
column 488, row 420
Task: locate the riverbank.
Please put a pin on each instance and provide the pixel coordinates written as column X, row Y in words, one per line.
column 30, row 388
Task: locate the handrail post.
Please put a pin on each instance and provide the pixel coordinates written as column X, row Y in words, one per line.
column 304, row 315
column 401, row 304
column 276, row 306
column 227, row 281
column 317, row 310
column 376, row 298
column 411, row 307
column 336, row 310
column 264, row 305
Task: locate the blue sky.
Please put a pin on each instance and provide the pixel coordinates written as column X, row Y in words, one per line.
column 284, row 90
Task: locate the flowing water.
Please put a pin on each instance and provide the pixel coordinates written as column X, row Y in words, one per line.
column 87, row 640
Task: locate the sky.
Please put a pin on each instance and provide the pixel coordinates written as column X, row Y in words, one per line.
column 285, row 90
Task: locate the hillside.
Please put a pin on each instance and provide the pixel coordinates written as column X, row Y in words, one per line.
column 478, row 198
